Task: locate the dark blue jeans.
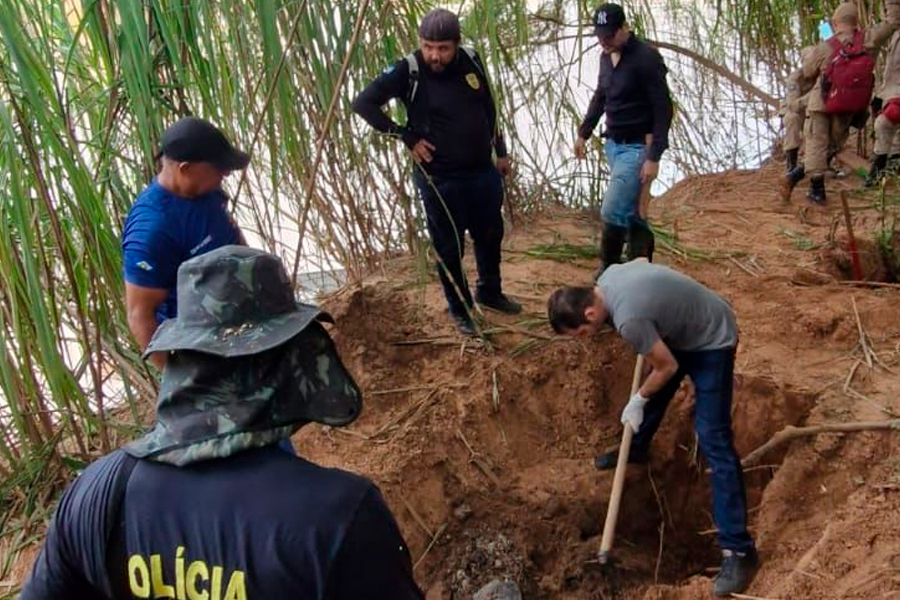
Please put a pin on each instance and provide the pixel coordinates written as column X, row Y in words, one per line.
column 712, row 372
column 454, row 205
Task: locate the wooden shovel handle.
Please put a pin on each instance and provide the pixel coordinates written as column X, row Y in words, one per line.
column 615, row 498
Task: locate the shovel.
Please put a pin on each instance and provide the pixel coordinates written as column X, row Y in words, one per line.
column 612, row 513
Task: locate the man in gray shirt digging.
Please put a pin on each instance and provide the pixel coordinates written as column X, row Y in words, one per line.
column 681, row 328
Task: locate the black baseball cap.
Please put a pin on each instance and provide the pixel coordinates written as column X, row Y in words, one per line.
column 194, row 140
column 608, row 19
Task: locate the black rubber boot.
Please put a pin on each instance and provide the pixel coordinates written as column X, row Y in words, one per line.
column 816, row 193
column 738, row 569
column 790, row 159
column 611, row 246
column 641, row 242
column 876, row 171
column 793, row 177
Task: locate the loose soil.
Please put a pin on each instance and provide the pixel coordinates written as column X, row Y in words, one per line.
column 485, row 455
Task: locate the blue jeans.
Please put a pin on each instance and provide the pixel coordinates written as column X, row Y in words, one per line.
column 712, row 372
column 620, row 202
column 454, row 205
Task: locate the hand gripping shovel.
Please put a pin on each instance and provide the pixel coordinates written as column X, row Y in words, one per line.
column 612, row 512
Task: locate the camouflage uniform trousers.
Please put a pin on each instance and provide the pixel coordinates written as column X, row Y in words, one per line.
column 824, row 134
column 793, row 128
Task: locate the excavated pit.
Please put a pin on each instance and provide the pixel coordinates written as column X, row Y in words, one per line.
column 487, row 459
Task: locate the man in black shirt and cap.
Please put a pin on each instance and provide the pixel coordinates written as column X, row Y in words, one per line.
column 633, row 92
column 452, row 132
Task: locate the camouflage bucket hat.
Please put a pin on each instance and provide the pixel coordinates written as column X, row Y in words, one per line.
column 233, row 301
column 213, row 407
column 248, row 365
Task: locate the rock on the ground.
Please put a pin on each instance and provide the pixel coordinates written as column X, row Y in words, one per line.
column 499, row 590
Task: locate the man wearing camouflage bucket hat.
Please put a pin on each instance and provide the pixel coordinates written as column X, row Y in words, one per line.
column 206, row 505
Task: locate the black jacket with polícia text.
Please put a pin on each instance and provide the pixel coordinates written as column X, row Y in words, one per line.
column 453, row 110
column 635, row 97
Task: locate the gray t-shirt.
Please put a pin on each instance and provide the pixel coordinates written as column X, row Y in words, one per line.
column 647, row 302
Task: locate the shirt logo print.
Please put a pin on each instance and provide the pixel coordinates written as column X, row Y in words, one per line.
column 197, row 248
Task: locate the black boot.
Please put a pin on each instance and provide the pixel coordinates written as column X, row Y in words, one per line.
column 640, row 241
column 793, row 177
column 738, row 569
column 790, row 159
column 463, row 322
column 816, row 193
column 498, row 301
column 611, row 246
column 876, row 172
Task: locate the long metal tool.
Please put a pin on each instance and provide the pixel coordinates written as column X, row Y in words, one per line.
column 615, row 498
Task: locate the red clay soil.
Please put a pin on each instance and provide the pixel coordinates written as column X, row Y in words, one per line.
column 485, row 455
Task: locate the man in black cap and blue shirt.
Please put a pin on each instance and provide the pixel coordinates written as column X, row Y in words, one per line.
column 181, row 214
column 633, row 93
column 451, row 132
column 680, row 328
column 206, row 506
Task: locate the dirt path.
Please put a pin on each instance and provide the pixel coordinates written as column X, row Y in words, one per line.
column 486, row 456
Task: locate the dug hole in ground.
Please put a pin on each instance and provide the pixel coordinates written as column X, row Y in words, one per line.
column 485, row 455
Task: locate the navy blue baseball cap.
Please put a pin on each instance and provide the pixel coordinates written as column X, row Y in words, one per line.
column 194, row 140
column 608, row 19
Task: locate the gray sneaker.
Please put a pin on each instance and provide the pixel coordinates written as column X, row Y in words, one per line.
column 738, row 569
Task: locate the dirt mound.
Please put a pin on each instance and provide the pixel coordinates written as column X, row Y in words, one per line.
column 489, row 460
column 484, row 451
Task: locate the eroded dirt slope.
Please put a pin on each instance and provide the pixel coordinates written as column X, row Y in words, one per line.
column 485, row 456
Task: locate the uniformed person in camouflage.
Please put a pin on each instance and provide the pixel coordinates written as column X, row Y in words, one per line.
column 206, row 504
column 793, row 115
column 824, row 131
column 887, row 123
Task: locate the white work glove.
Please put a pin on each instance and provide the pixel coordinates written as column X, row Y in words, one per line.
column 634, row 411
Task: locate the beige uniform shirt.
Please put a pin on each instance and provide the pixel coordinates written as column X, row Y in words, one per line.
column 797, row 87
column 876, row 37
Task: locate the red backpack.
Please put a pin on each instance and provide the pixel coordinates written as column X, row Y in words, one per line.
column 849, row 78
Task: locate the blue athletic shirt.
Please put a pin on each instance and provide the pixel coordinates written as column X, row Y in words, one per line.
column 259, row 525
column 163, row 230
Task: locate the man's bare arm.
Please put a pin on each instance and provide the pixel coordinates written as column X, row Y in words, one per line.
column 140, row 306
